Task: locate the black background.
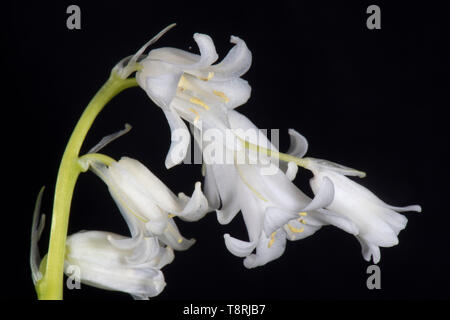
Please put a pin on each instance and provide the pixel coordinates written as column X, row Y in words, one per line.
column 370, row 99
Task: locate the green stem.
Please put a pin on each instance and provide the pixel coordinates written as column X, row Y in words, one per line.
column 50, row 287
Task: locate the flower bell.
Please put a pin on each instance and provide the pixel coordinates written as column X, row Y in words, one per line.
column 146, row 203
column 100, row 263
column 187, row 86
column 265, row 200
column 378, row 223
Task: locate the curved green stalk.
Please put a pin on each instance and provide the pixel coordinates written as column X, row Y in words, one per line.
column 50, row 287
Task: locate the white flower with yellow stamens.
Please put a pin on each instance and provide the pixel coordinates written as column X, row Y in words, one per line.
column 146, row 203
column 264, row 200
column 187, row 86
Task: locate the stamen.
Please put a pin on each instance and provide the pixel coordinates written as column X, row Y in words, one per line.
column 199, row 102
column 197, row 116
column 222, row 95
column 295, row 230
column 171, row 215
column 303, row 214
column 208, row 77
column 301, row 221
column 272, row 239
column 180, row 240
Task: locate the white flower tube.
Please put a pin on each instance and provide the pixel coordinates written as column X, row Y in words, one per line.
column 146, row 203
column 99, row 263
column 378, row 223
column 267, row 201
column 187, row 86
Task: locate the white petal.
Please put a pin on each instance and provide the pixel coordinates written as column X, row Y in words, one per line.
column 211, row 191
column 321, row 165
column 298, row 144
column 253, row 213
column 125, row 243
column 241, row 124
column 208, row 54
column 225, row 175
column 147, row 250
column 165, row 257
column 180, row 138
column 174, row 239
column 133, row 199
column 268, row 249
column 236, row 62
column 195, row 207
column 188, row 61
column 291, row 171
column 160, row 81
column 238, row 247
column 369, row 250
column 151, row 184
column 323, row 197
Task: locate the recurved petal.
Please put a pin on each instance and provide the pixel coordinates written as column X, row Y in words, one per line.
column 298, row 144
column 151, row 185
column 236, row 62
column 238, row 247
column 195, row 207
column 180, row 139
column 268, row 249
column 323, row 197
column 291, row 170
column 369, row 250
column 211, row 191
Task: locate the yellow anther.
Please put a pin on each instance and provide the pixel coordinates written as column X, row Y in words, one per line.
column 301, row 221
column 197, row 116
column 208, row 77
column 295, row 230
column 272, row 239
column 199, row 102
column 171, row 215
column 303, row 214
column 180, row 240
column 222, row 95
